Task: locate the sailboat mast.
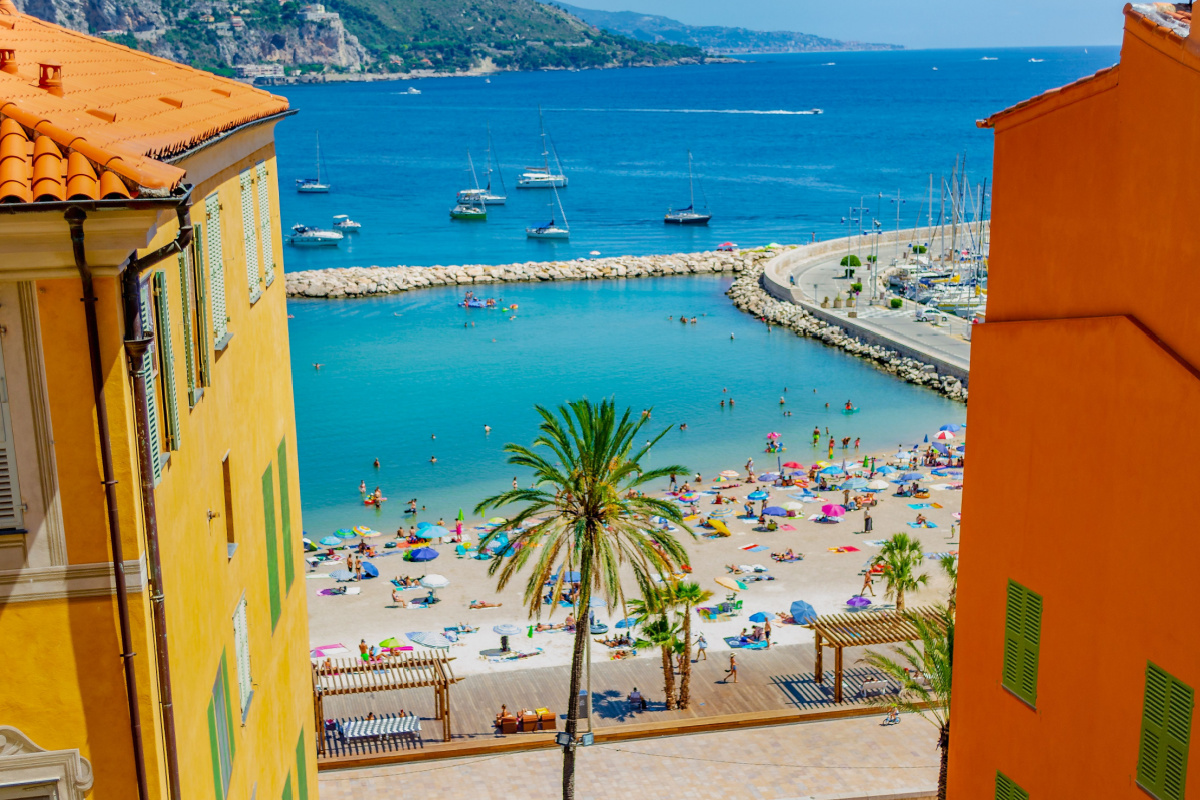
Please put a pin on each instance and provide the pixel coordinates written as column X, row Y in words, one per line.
column 691, row 186
column 318, row 156
column 545, row 152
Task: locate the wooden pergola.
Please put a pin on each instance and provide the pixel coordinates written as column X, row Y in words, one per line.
column 861, row 629
column 400, row 670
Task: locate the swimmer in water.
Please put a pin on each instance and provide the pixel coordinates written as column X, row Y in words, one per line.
column 433, row 459
column 487, row 429
column 731, row 336
column 362, row 487
column 782, row 401
column 377, row 463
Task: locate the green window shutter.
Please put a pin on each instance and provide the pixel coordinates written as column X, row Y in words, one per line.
column 1166, row 734
column 268, row 489
column 166, row 359
column 287, row 788
column 146, row 375
column 189, row 344
column 301, row 769
column 285, row 518
column 204, row 373
column 1007, row 790
column 216, row 268
column 214, row 749
column 1022, row 641
column 228, row 707
column 250, row 234
column 266, row 240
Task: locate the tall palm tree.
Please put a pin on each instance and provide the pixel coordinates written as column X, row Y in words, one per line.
column 589, row 517
column 901, row 557
column 686, row 596
column 950, row 567
column 928, row 695
column 660, row 632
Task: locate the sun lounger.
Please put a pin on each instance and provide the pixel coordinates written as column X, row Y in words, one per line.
column 874, row 687
column 529, row 723
column 357, row 729
column 508, row 724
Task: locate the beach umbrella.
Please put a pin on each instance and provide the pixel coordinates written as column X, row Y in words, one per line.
column 855, row 484
column 758, row 494
column 761, row 616
column 689, row 497
column 803, row 613
column 941, row 448
column 421, row 525
column 460, row 516
column 912, row 476
column 359, row 530
column 629, row 622
column 904, row 455
column 730, row 474
column 434, row 581
column 330, row 541
column 878, row 486
column 370, row 534
column 832, row 469
column 571, row 576
column 793, row 465
column 944, row 436
column 596, row 602
column 344, row 534
column 370, row 570
column 794, row 506
column 773, row 435
column 769, row 476
column 428, row 639
column 953, row 427
column 422, row 554
column 390, row 642
column 730, row 583
column 724, row 512
column 927, row 438
column 309, row 546
column 886, row 470
column 775, row 511
column 821, row 464
column 833, row 510
column 508, row 630
column 858, row 601
column 497, row 521
column 342, row 575
column 433, row 532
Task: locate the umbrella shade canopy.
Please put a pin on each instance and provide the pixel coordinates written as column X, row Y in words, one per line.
column 912, row 476
column 428, row 639
column 345, row 534
column 769, row 476
column 571, row 576
column 309, row 546
column 773, row 435
column 775, row 511
column 508, row 630
column 761, row 616
column 720, row 527
column 370, row 534
column 942, row 436
column 331, row 541
column 794, row 506
column 729, row 474
column 802, row 613
column 886, row 470
column 833, row 510
column 370, row 570
column 953, row 427
column 391, row 641
column 421, row 525
column 730, row 583
column 941, row 448
column 596, row 602
column 855, row 483
column 433, row 532
column 793, row 465
column 877, row 486
column 858, row 602
column 461, row 515
column 423, row 554
column 629, row 622
column 689, row 497
column 725, row 512
column 757, row 495
column 832, row 469
column 342, row 575
column 497, row 521
column 434, row 581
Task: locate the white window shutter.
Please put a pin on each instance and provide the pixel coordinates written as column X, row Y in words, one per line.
column 250, row 234
column 265, row 239
column 166, row 359
column 216, row 268
column 12, row 515
column 153, row 427
column 241, row 637
column 189, row 344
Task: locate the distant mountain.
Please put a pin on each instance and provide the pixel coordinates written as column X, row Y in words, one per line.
column 712, row 38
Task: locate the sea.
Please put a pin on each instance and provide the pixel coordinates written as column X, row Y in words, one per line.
column 409, row 378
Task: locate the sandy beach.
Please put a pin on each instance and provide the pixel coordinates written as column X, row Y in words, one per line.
column 831, row 572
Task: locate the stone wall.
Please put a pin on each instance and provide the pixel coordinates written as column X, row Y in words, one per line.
column 367, row 281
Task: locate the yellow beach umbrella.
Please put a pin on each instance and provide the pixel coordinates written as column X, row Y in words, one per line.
column 720, row 527
column 730, row 583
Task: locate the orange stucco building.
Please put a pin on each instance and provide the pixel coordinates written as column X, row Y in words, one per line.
column 1077, row 653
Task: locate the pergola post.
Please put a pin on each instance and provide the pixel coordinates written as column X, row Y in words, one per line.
column 446, row 718
column 820, row 676
column 837, row 675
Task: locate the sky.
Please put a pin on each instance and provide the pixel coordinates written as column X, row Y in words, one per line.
column 915, row 24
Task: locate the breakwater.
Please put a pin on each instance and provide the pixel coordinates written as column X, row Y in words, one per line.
column 368, row 281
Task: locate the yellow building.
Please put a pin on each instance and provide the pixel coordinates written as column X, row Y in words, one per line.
column 152, row 608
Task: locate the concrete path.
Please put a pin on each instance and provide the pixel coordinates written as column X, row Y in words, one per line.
column 836, row 759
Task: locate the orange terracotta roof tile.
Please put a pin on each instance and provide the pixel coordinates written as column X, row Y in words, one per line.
column 1067, row 90
column 82, row 117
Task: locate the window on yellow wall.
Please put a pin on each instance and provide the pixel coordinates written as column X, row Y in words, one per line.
column 215, row 253
column 241, row 646
column 250, row 234
column 166, row 359
column 265, row 238
column 220, row 738
column 198, row 311
column 149, row 376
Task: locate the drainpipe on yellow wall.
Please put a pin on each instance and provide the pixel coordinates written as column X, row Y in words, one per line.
column 75, row 217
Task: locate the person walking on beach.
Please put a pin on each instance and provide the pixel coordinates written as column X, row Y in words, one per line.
column 868, row 585
column 673, row 481
column 868, row 522
column 732, row 671
column 767, row 633
column 701, row 648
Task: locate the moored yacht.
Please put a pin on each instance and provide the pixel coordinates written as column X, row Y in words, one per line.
column 304, row 236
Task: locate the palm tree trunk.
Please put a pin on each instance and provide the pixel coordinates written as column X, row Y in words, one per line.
column 577, row 664
column 899, row 599
column 685, row 674
column 944, row 746
column 668, row 678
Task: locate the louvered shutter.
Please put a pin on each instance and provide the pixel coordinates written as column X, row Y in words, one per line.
column 242, row 651
column 12, row 516
column 189, row 343
column 250, row 234
column 1022, row 640
column 1166, row 734
column 1007, row 790
column 146, row 375
column 166, row 359
column 204, row 342
column 1013, row 614
column 1031, row 637
column 266, row 240
column 216, row 269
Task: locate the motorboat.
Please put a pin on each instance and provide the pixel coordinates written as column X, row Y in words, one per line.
column 304, row 236
column 343, row 223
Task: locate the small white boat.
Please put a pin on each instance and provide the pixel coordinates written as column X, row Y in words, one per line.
column 1036, row 60
column 689, row 215
column 304, row 236
column 551, row 229
column 343, row 223
column 413, row 90
column 543, row 177
column 313, row 185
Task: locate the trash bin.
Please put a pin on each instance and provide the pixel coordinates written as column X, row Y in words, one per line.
column 583, row 704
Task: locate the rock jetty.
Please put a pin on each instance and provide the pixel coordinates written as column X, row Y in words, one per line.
column 369, row 281
column 749, row 295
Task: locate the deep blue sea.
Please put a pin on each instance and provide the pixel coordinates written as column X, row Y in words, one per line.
column 769, row 174
column 401, row 370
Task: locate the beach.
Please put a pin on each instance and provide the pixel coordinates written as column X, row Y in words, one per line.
column 835, row 555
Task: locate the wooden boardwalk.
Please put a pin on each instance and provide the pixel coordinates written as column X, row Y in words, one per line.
column 775, row 680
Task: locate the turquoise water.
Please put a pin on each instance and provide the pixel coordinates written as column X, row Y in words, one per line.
column 401, row 369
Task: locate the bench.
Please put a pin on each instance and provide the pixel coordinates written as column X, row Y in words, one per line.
column 877, row 686
column 408, row 725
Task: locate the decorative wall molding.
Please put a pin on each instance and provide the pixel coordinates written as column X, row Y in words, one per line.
column 24, row 763
column 76, row 580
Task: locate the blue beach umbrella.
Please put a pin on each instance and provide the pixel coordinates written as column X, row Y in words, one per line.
column 802, row 612
column 953, row 427
column 421, row 525
column 433, row 532
column 596, row 602
column 370, row 570
column 345, row 534
column 886, row 470
column 423, row 554
column 770, row 476
column 330, row 541
column 761, row 616
column 912, row 476
column 775, row 511
column 758, row 494
column 832, row 469
column 855, row 484
column 570, row 577
column 628, row 622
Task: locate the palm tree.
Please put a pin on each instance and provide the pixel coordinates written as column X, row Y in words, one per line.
column 901, row 557
column 660, row 632
column 934, row 661
column 686, row 596
column 950, row 567
column 590, row 518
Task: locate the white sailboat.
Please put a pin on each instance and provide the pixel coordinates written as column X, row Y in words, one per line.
column 313, row 185
column 473, row 207
column 486, row 195
column 551, row 229
column 689, row 215
column 543, row 177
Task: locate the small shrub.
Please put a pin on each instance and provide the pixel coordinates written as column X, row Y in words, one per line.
column 896, row 302
column 856, row 287
column 851, row 261
column 920, row 248
column 872, row 259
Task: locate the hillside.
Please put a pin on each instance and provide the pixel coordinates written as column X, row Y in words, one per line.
column 278, row 41
column 712, row 38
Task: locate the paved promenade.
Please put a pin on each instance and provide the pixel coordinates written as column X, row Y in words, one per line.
column 834, row 759
column 809, row 274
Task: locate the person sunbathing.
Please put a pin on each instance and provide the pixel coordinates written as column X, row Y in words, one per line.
column 733, row 569
column 569, row 623
column 541, row 627
column 484, row 604
column 718, row 500
column 921, row 520
column 397, row 599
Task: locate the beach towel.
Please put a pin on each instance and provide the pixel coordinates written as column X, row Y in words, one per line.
column 350, row 590
column 330, row 649
column 749, row 547
column 787, row 527
column 926, row 525
column 918, row 506
column 850, row 549
column 315, row 575
column 876, row 542
column 735, row 642
column 757, row 548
